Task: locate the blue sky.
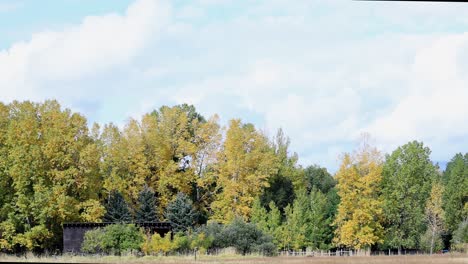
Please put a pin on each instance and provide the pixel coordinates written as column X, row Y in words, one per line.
column 323, row 70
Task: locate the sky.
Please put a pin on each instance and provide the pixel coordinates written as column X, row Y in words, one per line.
column 325, row 71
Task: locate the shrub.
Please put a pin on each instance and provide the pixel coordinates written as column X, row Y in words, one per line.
column 160, row 244
column 92, row 242
column 201, row 242
column 244, row 237
column 460, row 237
column 266, row 249
column 181, row 243
column 115, row 239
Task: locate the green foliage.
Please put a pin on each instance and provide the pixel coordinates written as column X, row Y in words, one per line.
column 117, row 210
column 430, row 242
column 244, row 237
column 113, row 239
column 93, row 241
column 319, row 178
column 456, row 191
column 280, row 191
column 181, row 213
column 460, row 236
column 406, row 183
column 146, row 211
column 288, row 177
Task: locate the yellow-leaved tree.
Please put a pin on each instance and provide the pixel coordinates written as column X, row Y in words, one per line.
column 359, row 217
column 245, row 163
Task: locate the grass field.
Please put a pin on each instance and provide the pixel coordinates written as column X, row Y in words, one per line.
column 435, row 259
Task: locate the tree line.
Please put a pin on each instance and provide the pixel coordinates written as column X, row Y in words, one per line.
column 175, row 164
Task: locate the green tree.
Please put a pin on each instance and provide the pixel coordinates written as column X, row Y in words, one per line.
column 117, row 210
column 460, row 237
column 146, row 211
column 181, row 213
column 288, row 177
column 318, row 177
column 245, row 237
column 406, row 184
column 455, row 196
column 294, row 228
column 319, row 232
column 259, row 215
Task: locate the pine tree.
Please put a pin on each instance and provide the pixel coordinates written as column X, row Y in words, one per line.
column 181, row 213
column 117, row 210
column 146, row 211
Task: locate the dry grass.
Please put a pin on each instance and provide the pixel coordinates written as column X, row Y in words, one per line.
column 231, row 259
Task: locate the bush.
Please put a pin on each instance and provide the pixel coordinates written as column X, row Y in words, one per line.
column 244, row 237
column 160, row 244
column 266, row 249
column 115, row 239
column 460, row 237
column 92, row 242
column 426, row 242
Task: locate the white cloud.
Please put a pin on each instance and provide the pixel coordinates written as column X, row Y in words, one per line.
column 435, row 109
column 98, row 44
column 322, row 70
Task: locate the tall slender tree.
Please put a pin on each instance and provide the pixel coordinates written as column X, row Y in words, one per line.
column 245, row 164
column 435, row 215
column 359, row 217
column 407, row 176
column 455, row 197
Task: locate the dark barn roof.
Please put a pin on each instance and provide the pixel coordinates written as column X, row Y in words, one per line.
column 73, row 233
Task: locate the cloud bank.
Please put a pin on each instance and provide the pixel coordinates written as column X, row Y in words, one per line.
column 324, row 71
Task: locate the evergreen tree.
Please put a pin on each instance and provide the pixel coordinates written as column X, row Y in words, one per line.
column 181, row 213
column 117, row 210
column 146, row 211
